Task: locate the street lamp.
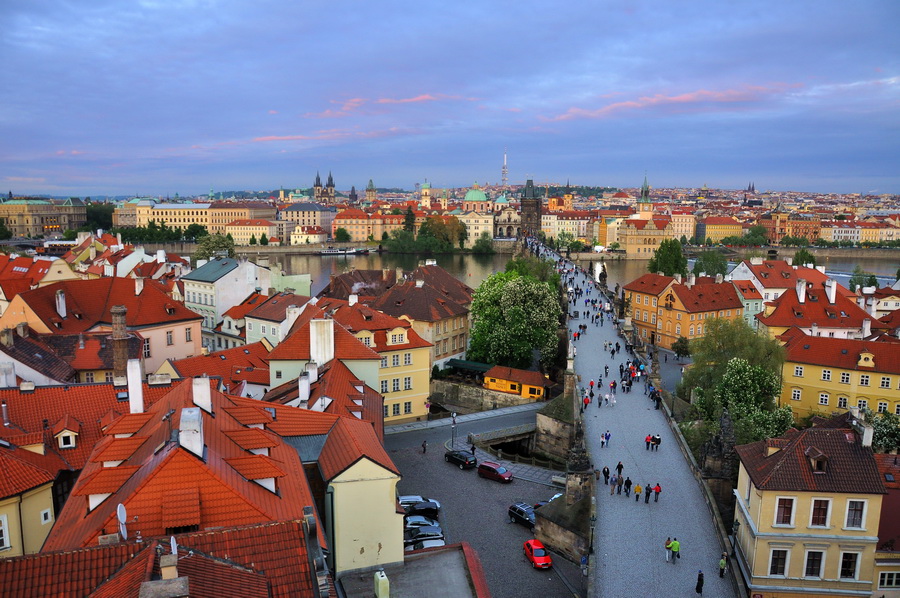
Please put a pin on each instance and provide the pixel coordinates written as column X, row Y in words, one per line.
column 593, row 524
column 453, row 431
column 734, row 531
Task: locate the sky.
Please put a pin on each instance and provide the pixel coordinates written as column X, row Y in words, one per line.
column 157, row 97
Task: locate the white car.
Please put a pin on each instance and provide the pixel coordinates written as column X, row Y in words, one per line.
column 425, row 544
column 408, row 500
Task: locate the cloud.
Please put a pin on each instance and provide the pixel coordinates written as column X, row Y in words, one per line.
column 273, row 111
column 24, row 179
column 704, row 97
column 352, row 105
column 69, row 152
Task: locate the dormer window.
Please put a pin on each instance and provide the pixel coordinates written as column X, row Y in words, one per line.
column 818, row 461
column 66, row 440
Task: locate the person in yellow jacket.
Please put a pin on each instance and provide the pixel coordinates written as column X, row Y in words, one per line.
column 675, row 546
column 637, row 492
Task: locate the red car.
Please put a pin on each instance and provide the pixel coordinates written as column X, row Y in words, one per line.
column 537, row 555
column 494, row 471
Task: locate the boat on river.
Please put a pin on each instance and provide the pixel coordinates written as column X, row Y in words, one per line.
column 347, row 251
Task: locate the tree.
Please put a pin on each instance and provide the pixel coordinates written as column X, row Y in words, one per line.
column 211, row 245
column 804, row 256
column 683, row 240
column 862, row 278
column 897, row 276
column 5, row 233
column 253, row 239
column 483, row 244
column 887, row 430
column 711, row 262
column 263, row 239
column 409, row 221
column 709, row 241
column 730, row 338
column 681, row 347
column 542, row 270
column 341, row 235
column 68, row 234
column 514, row 315
column 749, row 393
column 98, row 216
column 194, row 232
column 668, row 259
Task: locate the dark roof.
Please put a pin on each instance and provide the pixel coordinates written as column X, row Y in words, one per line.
column 850, row 468
column 34, row 353
column 212, row 270
column 421, row 303
column 474, row 366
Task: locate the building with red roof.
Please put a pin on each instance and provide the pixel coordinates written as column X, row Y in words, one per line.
column 244, row 370
column 525, row 383
column 773, row 277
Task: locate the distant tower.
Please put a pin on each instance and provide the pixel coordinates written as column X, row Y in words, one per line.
column 445, row 199
column 317, row 188
column 370, row 192
column 530, row 209
column 645, row 206
column 425, row 195
column 354, row 198
column 504, row 172
column 329, row 190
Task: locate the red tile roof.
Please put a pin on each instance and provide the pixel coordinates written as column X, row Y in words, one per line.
column 234, row 366
column 348, row 442
column 815, row 309
column 295, row 346
column 841, row 353
column 650, row 284
column 357, row 318
column 708, row 297
column 747, row 290
column 529, row 377
column 421, row 303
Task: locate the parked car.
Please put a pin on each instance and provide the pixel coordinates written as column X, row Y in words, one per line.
column 426, row 509
column 419, row 534
column 411, row 499
column 414, row 521
column 494, row 471
column 522, row 513
column 425, row 544
column 537, row 555
column 463, row 459
column 541, row 503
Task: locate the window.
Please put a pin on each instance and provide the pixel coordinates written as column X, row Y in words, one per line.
column 395, row 409
column 813, row 564
column 678, row 329
column 395, row 384
column 778, row 562
column 798, row 371
column 384, row 362
column 691, row 331
column 849, row 563
column 407, row 383
column 882, row 406
column 855, row 514
column 795, row 394
column 46, row 517
column 384, row 386
column 678, row 316
column 170, row 340
column 108, row 377
column 187, row 335
column 4, row 533
column 885, row 382
column 845, row 378
column 250, row 326
column 146, row 348
column 397, row 339
column 819, row 516
column 395, row 361
column 862, row 403
column 842, row 402
column 864, row 380
column 889, row 579
column 367, row 341
column 826, row 375
column 407, row 407
column 784, row 512
column 407, row 357
column 263, row 330
column 66, row 441
column 823, row 398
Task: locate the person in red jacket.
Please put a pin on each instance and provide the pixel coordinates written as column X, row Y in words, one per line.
column 656, row 490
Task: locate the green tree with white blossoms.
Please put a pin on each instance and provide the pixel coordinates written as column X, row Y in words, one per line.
column 514, row 315
column 749, row 393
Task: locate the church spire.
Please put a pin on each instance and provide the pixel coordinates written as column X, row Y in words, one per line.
column 330, row 182
column 645, row 190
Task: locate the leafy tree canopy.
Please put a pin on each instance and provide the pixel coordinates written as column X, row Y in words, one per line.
column 514, row 315
column 862, row 278
column 887, row 430
column 210, row 245
column 341, row 235
column 409, row 221
column 542, row 270
column 804, row 256
column 483, row 244
column 711, row 262
column 749, row 393
column 681, row 347
column 668, row 259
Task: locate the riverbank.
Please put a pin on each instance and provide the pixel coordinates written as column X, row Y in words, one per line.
column 502, row 246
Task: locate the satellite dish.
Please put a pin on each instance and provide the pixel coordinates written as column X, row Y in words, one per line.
column 123, row 517
column 173, row 545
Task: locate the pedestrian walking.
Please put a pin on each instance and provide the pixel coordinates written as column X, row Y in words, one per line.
column 656, row 440
column 608, row 435
column 613, row 482
column 602, row 440
column 656, row 490
column 723, row 564
column 619, row 483
column 628, row 487
column 424, row 446
column 668, row 546
column 699, row 588
column 637, row 492
column 473, row 449
column 676, row 550
column 647, row 491
column 605, row 475
column 619, row 468
column 647, row 441
column 612, row 400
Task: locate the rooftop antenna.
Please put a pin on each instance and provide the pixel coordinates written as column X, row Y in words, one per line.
column 504, row 172
column 122, row 517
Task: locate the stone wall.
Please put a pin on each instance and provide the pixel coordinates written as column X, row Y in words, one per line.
column 471, row 399
column 553, row 437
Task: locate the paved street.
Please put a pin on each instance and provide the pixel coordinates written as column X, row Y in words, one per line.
column 630, row 535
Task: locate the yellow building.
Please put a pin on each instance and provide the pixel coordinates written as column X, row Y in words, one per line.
column 640, row 238
column 214, row 216
column 243, row 231
column 34, row 217
column 26, row 512
column 525, row 383
column 807, row 513
column 831, row 375
column 716, row 228
column 355, row 222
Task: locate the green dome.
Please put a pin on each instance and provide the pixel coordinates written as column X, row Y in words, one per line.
column 475, row 194
column 501, row 199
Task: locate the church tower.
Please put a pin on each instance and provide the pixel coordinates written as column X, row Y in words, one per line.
column 354, row 198
column 317, row 189
column 371, row 195
column 645, row 206
column 530, row 209
column 328, row 192
column 425, row 195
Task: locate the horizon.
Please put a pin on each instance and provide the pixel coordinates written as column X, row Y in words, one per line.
column 124, row 98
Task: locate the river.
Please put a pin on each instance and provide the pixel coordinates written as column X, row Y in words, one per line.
column 472, row 269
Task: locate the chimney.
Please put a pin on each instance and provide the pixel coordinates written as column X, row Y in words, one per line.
column 135, row 387
column 5, row 414
column 398, row 274
column 756, row 261
column 303, row 387
column 790, row 261
column 719, row 278
column 7, row 375
column 168, row 566
column 831, row 290
column 420, row 283
column 290, row 316
column 814, row 330
column 312, row 370
column 190, row 430
column 352, row 299
column 119, row 340
column 160, row 256
column 6, row 337
column 22, row 329
column 691, row 279
column 93, row 251
column 119, row 239
column 872, row 305
column 138, row 286
column 867, row 328
column 385, row 272
column 61, row 303
column 678, row 278
column 202, row 393
column 81, row 341
column 321, row 341
column 801, row 290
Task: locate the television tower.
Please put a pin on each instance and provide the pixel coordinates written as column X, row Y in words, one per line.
column 504, row 172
